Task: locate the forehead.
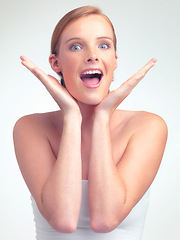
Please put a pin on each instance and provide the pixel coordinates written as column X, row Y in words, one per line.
column 88, row 25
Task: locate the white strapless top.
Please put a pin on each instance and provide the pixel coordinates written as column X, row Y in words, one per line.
column 130, row 229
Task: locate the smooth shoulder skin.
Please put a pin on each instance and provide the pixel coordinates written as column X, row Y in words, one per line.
column 138, row 142
column 36, row 138
column 143, row 152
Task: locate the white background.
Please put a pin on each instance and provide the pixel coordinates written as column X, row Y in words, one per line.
column 144, row 29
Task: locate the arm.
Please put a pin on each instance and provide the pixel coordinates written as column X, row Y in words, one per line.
column 106, row 188
column 114, row 190
column 54, row 183
column 61, row 193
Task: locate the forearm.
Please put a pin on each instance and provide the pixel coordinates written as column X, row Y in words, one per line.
column 61, row 197
column 106, row 189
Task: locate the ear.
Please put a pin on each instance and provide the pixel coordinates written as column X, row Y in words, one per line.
column 54, row 62
column 115, row 66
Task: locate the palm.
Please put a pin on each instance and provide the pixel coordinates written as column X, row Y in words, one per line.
column 114, row 98
column 64, row 100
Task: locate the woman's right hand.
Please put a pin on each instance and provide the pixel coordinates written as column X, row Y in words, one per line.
column 62, row 97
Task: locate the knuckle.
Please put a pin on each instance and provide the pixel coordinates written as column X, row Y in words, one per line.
column 35, row 71
column 131, row 82
column 141, row 75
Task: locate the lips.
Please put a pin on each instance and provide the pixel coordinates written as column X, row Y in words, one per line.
column 91, row 78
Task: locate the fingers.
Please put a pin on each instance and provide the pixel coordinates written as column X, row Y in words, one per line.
column 137, row 77
column 128, row 86
column 147, row 67
column 33, row 68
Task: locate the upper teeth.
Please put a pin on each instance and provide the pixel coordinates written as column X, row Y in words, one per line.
column 92, row 72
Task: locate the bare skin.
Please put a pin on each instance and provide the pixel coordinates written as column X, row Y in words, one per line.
column 119, row 152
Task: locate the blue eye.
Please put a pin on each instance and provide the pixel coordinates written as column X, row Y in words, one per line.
column 75, row 47
column 104, row 46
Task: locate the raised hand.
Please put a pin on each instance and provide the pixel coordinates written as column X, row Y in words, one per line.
column 64, row 100
column 114, row 98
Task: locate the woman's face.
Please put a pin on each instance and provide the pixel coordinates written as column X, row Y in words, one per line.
column 87, row 58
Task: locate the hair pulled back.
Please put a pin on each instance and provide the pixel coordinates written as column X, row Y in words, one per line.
column 68, row 19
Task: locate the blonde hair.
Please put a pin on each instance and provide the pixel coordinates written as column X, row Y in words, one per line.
column 69, row 18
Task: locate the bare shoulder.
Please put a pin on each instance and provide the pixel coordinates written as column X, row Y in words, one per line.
column 146, row 140
column 150, row 122
column 28, row 121
column 33, row 136
column 38, row 122
column 141, row 121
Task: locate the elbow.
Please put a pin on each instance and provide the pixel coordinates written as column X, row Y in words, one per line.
column 60, row 221
column 104, row 225
column 63, row 225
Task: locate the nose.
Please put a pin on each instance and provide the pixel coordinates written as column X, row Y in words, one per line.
column 92, row 57
column 92, row 60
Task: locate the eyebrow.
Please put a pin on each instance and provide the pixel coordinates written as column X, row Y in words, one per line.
column 71, row 39
column 75, row 38
column 104, row 37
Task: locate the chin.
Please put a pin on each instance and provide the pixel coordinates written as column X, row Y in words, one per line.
column 92, row 100
column 90, row 103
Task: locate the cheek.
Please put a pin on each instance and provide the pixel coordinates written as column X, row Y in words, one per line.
column 68, row 71
column 67, row 61
column 110, row 62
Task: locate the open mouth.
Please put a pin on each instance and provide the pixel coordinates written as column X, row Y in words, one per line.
column 91, row 78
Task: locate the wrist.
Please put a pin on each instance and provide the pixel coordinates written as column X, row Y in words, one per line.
column 101, row 121
column 72, row 117
column 102, row 117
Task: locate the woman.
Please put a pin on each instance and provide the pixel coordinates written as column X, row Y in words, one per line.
column 88, row 165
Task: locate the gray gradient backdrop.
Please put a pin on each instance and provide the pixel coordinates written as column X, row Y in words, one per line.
column 144, row 29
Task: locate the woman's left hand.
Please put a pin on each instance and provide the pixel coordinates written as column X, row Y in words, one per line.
column 115, row 97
